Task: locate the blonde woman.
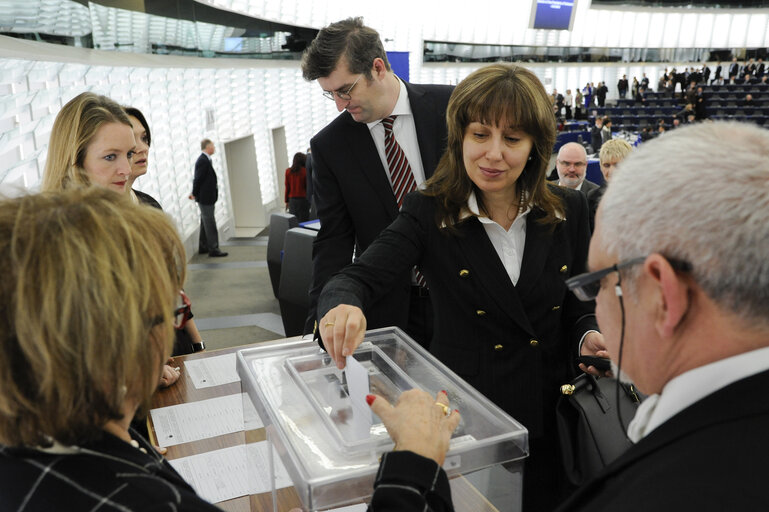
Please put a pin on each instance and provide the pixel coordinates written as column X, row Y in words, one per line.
column 92, row 143
column 85, row 326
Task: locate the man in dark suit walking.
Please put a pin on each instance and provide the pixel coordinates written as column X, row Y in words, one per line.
column 205, row 192
column 692, row 331
column 358, row 181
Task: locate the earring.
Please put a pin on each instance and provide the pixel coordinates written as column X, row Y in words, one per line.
column 529, row 158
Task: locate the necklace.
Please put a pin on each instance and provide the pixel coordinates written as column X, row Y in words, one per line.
column 135, row 444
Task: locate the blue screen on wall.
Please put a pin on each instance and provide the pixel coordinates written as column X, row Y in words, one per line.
column 553, row 14
column 399, row 62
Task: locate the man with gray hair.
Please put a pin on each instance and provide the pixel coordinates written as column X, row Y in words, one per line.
column 680, row 276
column 571, row 164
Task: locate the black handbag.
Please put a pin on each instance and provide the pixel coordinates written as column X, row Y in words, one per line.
column 588, row 428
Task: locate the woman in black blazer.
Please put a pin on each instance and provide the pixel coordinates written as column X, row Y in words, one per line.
column 188, row 337
column 495, row 244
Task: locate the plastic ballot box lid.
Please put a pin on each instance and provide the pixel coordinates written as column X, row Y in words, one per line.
column 330, row 444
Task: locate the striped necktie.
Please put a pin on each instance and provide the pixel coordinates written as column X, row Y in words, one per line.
column 401, row 177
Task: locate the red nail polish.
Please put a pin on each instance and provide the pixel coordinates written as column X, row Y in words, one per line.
column 456, row 411
column 370, row 399
column 444, row 392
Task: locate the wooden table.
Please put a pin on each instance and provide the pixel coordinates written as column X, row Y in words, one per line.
column 466, row 497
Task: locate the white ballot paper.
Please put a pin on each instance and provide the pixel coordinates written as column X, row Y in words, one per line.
column 192, row 421
column 212, row 371
column 228, row 473
column 357, row 389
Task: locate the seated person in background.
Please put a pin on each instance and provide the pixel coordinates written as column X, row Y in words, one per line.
column 676, row 123
column 748, row 101
column 684, row 112
column 606, row 130
column 87, row 307
column 682, row 298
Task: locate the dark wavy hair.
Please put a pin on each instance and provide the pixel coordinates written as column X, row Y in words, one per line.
column 135, row 112
column 489, row 95
column 299, row 160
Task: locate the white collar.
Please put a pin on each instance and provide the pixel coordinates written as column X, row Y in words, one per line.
column 402, row 106
column 692, row 386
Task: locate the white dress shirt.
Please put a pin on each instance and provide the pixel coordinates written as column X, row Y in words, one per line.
column 405, row 133
column 692, row 386
column 509, row 243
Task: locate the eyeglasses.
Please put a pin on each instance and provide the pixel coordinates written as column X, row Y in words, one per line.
column 578, row 165
column 183, row 313
column 586, row 286
column 342, row 95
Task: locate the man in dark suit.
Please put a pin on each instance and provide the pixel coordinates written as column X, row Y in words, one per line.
column 717, row 74
column 205, row 192
column 694, row 322
column 601, row 92
column 622, row 86
column 353, row 187
column 571, row 164
column 705, row 73
column 734, row 69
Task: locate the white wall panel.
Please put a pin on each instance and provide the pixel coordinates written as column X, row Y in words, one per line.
column 640, row 30
column 506, row 22
column 721, row 30
column 688, row 30
column 244, row 100
column 739, row 29
column 757, row 30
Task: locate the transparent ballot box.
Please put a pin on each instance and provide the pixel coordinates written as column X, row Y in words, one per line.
column 329, row 446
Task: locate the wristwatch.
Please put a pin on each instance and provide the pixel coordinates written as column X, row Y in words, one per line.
column 198, row 347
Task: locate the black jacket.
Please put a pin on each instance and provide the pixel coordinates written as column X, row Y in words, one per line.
column 354, row 199
column 204, row 186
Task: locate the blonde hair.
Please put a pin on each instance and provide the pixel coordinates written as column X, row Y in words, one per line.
column 614, row 150
column 73, row 130
column 89, row 284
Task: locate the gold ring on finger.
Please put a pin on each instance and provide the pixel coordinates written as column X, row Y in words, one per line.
column 445, row 408
column 329, row 324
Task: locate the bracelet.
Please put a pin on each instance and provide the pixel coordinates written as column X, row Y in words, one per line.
column 198, row 347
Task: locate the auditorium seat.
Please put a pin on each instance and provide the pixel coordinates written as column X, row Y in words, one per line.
column 295, row 279
column 280, row 223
